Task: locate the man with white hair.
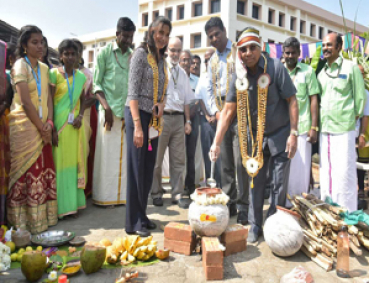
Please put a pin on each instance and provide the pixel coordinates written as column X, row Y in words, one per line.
column 262, row 95
column 179, row 97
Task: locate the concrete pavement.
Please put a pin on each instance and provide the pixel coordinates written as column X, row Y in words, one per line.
column 256, row 265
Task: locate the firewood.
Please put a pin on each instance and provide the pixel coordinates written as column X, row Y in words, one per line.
column 326, row 251
column 309, row 248
column 354, row 240
column 355, row 249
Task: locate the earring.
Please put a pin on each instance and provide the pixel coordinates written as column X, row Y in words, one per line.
column 25, row 51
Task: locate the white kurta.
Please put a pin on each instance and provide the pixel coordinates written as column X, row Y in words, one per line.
column 338, row 177
column 300, row 169
column 110, row 167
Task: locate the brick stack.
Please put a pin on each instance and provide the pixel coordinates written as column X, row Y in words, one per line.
column 234, row 239
column 179, row 238
column 212, row 258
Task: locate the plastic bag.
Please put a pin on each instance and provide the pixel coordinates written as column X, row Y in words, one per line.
column 8, row 235
column 297, row 275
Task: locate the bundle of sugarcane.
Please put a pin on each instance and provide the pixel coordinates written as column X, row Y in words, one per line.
column 321, row 223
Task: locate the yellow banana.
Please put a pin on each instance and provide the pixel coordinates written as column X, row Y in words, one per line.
column 124, row 256
column 131, row 258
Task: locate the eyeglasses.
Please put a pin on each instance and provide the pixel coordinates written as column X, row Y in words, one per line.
column 248, row 48
column 173, row 50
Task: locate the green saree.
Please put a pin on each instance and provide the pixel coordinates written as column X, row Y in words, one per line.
column 70, row 155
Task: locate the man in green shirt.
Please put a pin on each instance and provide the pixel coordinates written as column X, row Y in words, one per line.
column 342, row 102
column 304, row 79
column 111, row 87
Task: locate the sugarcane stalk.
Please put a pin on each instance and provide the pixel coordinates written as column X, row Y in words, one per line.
column 352, row 229
column 355, row 249
column 363, row 240
column 316, row 246
column 312, row 208
column 354, row 240
column 309, row 248
column 312, row 227
column 334, row 236
column 335, row 209
column 323, row 264
column 312, row 236
column 326, row 251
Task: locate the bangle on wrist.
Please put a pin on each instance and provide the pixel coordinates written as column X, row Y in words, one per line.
column 136, row 119
column 50, row 122
column 188, row 122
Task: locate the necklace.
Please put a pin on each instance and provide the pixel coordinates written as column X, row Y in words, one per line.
column 255, row 162
column 216, row 77
column 155, row 122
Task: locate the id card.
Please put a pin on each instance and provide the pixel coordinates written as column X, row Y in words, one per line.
column 176, row 97
column 40, row 111
column 153, row 133
column 70, row 118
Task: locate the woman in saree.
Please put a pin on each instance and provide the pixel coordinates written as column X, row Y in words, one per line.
column 67, row 86
column 31, row 201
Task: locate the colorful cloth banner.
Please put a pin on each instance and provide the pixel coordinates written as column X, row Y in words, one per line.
column 308, row 49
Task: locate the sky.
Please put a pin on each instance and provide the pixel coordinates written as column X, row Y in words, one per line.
column 73, row 18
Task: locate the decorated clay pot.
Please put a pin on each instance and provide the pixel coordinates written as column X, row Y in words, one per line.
column 208, row 219
column 283, row 233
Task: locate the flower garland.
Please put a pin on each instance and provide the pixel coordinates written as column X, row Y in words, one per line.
column 155, row 122
column 252, row 163
column 216, row 77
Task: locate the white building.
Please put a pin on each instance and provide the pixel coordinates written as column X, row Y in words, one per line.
column 276, row 20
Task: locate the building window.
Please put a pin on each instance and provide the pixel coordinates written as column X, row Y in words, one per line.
column 145, row 20
column 281, row 20
column 90, row 56
column 271, row 17
column 214, row 6
column 180, row 12
column 169, row 13
column 312, row 30
column 241, row 7
column 103, row 43
column 302, row 27
column 196, row 40
column 256, row 11
column 321, row 32
column 293, row 24
column 196, row 9
column 155, row 14
column 238, row 33
column 93, row 45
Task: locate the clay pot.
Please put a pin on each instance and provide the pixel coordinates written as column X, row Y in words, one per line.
column 283, row 233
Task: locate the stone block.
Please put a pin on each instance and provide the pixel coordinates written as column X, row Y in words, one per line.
column 235, row 247
column 212, row 255
column 234, row 233
column 179, row 232
column 180, row 247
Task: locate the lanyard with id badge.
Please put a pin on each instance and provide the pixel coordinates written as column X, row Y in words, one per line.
column 70, row 92
column 38, row 83
column 175, row 81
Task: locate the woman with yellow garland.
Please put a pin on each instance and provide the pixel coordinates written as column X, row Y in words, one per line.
column 148, row 82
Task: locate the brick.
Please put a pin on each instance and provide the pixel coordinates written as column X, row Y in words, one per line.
column 235, row 247
column 213, row 272
column 234, row 233
column 180, row 247
column 212, row 255
column 178, row 232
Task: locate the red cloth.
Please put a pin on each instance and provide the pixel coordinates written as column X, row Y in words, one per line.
column 91, row 157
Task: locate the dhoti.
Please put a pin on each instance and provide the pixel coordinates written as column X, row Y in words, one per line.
column 300, row 168
column 110, row 175
column 338, row 169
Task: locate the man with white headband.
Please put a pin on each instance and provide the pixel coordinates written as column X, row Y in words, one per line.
column 262, row 96
column 221, row 72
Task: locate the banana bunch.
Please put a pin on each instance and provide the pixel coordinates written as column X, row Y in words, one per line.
column 131, row 248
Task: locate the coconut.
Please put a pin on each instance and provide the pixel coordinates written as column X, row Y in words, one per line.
column 33, row 265
column 162, row 254
column 92, row 258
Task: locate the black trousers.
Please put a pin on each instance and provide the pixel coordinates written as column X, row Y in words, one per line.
column 279, row 169
column 207, row 137
column 232, row 167
column 140, row 169
column 191, row 142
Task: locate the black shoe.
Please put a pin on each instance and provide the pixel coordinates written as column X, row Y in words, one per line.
column 242, row 218
column 151, row 226
column 232, row 210
column 141, row 233
column 157, row 201
column 184, row 203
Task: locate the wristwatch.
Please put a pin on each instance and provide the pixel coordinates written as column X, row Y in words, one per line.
column 315, row 128
column 294, row 133
column 189, row 122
